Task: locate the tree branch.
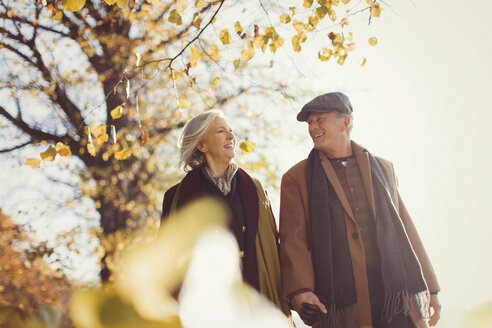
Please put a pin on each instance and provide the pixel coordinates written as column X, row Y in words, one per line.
column 16, row 147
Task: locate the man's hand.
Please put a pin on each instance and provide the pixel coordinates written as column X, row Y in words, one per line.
column 308, row 306
column 434, row 310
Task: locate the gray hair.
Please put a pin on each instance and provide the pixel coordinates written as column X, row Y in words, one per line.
column 351, row 124
column 194, row 131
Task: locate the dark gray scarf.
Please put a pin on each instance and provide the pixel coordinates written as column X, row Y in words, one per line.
column 404, row 285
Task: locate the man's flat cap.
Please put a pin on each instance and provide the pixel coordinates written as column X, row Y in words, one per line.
column 326, row 103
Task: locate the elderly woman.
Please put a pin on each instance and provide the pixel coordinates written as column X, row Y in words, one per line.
column 207, row 150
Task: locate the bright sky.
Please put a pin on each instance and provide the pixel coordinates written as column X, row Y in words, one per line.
column 423, row 102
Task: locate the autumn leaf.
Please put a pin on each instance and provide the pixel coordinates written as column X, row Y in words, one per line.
column 123, row 154
column 197, row 20
column 247, row 146
column 183, row 103
column 297, row 40
column 73, row 5
column 122, row 3
column 102, row 138
column 345, row 1
column 200, row 4
column 373, row 41
column 364, row 61
column 175, row 18
column 376, row 10
column 351, row 46
column 249, row 52
column 63, row 150
column 308, row 3
column 293, row 10
column 238, row 28
column 10, row 13
column 299, row 26
column 91, row 149
column 33, row 162
column 49, row 154
column 97, row 130
column 344, row 22
column 325, row 54
column 110, row 2
column 236, row 62
column 214, row 82
column 117, row 112
column 224, row 36
column 285, row 18
column 58, row 16
column 145, row 137
column 195, row 57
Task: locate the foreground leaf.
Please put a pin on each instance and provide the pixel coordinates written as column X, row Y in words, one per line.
column 33, row 162
column 49, row 154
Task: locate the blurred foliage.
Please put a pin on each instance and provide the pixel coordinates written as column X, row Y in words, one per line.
column 32, row 294
column 479, row 317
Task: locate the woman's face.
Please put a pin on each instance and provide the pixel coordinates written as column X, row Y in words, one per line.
column 220, row 143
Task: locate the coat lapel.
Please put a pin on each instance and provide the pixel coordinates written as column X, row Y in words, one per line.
column 362, row 158
column 332, row 177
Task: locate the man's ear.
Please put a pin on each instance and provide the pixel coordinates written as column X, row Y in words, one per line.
column 346, row 120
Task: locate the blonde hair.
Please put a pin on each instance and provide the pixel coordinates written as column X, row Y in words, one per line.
column 194, row 131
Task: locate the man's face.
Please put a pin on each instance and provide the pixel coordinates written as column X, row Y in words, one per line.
column 326, row 129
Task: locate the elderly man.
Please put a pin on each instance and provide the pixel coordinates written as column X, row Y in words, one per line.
column 350, row 254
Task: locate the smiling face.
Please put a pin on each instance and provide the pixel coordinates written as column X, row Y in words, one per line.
column 219, row 144
column 329, row 131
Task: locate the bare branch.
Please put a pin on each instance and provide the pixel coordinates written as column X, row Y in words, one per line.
column 16, row 147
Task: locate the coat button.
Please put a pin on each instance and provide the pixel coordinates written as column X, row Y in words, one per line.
column 244, row 228
column 241, row 254
column 355, row 235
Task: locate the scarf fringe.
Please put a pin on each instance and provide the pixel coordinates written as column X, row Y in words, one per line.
column 335, row 315
column 402, row 303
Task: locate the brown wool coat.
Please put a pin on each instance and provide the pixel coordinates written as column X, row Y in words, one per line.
column 295, row 241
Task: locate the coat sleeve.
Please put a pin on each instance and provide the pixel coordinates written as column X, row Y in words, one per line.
column 427, row 269
column 295, row 254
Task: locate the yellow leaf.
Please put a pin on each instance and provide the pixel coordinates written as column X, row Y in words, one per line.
column 175, row 18
column 285, row 18
column 345, row 1
column 123, row 154
column 373, row 41
column 313, row 21
column 344, row 22
column 237, row 62
column 308, row 3
column 49, row 154
column 73, row 5
column 247, row 146
column 33, row 162
column 249, row 52
column 214, row 82
column 370, row 2
column 200, row 4
column 58, row 16
column 91, row 149
column 297, row 40
column 181, row 6
column 321, row 12
column 293, row 10
column 102, row 138
column 238, row 28
column 364, row 61
column 325, row 54
column 10, row 13
column 117, row 112
column 197, row 20
column 183, row 103
column 351, row 46
column 110, row 2
column 299, row 26
column 97, row 130
column 224, row 36
column 63, row 150
column 195, row 57
column 376, row 10
column 86, row 130
column 122, row 3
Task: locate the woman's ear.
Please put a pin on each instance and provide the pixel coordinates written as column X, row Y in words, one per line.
column 201, row 147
